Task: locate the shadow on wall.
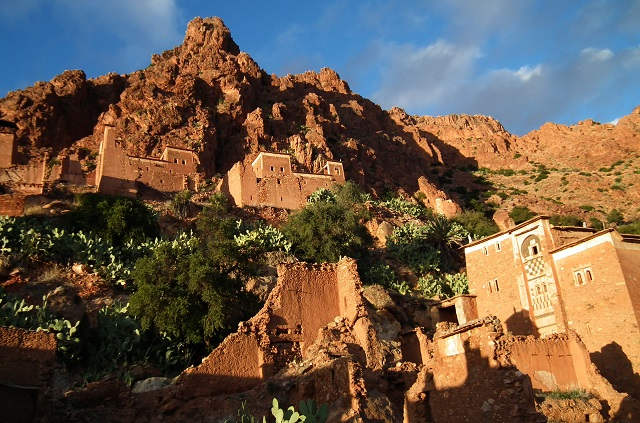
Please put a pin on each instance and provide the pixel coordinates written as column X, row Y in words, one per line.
column 613, row 364
column 483, row 391
column 520, row 323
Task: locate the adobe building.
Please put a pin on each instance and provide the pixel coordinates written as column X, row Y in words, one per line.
column 270, row 181
column 118, row 173
column 542, row 279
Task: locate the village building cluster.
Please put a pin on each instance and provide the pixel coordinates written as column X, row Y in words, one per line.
column 540, row 279
column 268, row 181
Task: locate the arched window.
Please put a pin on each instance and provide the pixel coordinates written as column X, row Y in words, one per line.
column 589, row 275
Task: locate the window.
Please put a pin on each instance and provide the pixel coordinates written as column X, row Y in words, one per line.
column 485, row 251
column 278, row 181
column 498, row 246
column 272, row 168
column 184, row 162
column 578, row 278
column 534, row 250
column 175, row 160
column 493, row 286
column 588, row 274
column 282, row 169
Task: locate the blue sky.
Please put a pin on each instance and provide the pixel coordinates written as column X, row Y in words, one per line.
column 523, row 62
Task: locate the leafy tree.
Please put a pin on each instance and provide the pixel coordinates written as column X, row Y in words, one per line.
column 187, row 295
column 615, row 216
column 521, row 214
column 476, row 223
column 322, row 232
column 330, row 226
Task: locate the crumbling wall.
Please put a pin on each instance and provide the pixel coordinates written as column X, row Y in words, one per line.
column 470, row 385
column 557, row 362
column 11, row 204
column 305, row 299
column 26, row 361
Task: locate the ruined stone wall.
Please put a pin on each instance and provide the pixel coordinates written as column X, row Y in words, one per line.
column 27, row 359
column 11, row 205
column 7, row 149
column 470, row 385
column 559, row 362
column 305, row 299
column 510, row 302
column 601, row 310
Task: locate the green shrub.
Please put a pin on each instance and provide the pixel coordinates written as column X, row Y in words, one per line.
column 477, row 224
column 576, row 394
column 15, row 312
column 181, row 202
column 323, row 232
column 443, row 286
column 521, row 214
column 631, row 228
column 261, row 239
column 405, row 207
column 596, row 223
column 116, row 219
column 615, row 216
column 377, row 273
column 587, row 207
column 189, row 295
column 323, row 194
column 428, row 247
column 565, row 220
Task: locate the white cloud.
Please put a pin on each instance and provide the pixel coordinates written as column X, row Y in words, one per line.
column 595, row 54
column 446, row 78
column 525, row 73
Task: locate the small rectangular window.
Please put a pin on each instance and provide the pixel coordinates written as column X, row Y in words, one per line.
column 282, row 169
column 578, row 278
column 498, row 246
column 588, row 274
column 272, row 168
column 485, row 251
column 493, row 286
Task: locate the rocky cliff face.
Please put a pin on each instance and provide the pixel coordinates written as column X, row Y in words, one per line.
column 207, row 95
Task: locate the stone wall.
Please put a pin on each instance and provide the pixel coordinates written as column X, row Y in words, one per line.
column 26, row 362
column 12, row 204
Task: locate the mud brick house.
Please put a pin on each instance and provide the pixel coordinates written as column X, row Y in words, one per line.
column 120, row 174
column 541, row 279
column 270, row 181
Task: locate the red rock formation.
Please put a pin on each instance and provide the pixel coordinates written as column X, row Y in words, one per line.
column 207, row 95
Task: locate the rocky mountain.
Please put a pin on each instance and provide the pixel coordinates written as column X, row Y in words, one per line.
column 207, row 95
